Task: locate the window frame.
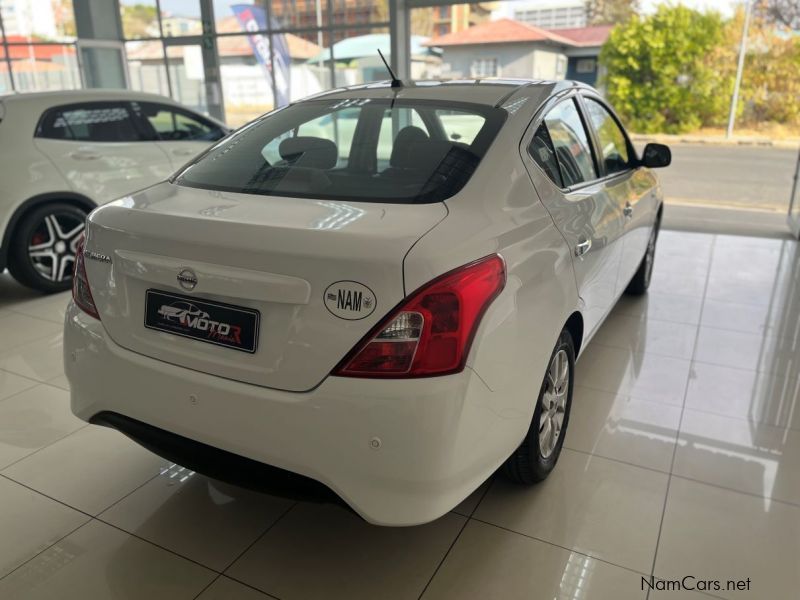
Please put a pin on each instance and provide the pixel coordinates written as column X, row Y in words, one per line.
column 577, row 95
column 144, row 132
column 539, row 118
column 633, row 158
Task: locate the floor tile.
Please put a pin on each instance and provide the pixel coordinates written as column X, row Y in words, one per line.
column 595, row 506
column 742, row 455
column 491, row 563
column 29, row 523
column 676, row 282
column 89, row 469
column 11, row 384
column 644, row 376
column 167, row 509
column 59, row 381
column 99, row 561
column 228, row 589
column 18, row 329
column 627, row 429
column 749, row 318
column 326, row 552
column 41, row 360
column 33, row 419
column 641, row 335
column 718, row 534
column 764, row 353
column 663, row 307
column 49, row 308
column 760, row 397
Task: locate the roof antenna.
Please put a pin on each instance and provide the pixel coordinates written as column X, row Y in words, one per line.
column 395, row 81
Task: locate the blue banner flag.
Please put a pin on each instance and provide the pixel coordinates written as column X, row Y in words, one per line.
column 254, row 18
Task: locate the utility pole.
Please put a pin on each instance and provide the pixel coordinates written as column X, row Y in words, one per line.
column 742, row 51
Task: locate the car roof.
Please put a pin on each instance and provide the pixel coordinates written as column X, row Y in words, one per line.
column 488, row 91
column 66, row 96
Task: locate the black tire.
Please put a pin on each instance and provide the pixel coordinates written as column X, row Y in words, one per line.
column 43, row 245
column 641, row 279
column 529, row 464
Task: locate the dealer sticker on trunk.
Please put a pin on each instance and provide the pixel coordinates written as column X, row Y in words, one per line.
column 350, row 300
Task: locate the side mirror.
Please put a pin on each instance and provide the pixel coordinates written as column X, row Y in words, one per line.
column 656, row 156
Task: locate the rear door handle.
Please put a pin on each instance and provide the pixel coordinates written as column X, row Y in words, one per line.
column 583, row 247
column 628, row 210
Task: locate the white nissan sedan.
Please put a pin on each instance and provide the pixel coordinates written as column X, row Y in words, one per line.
column 381, row 289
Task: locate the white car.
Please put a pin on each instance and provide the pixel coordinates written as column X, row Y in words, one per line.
column 64, row 153
column 393, row 324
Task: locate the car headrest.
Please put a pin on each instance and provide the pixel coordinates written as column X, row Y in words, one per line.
column 405, row 137
column 311, row 152
column 425, row 155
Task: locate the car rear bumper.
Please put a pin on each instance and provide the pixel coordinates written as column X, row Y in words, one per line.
column 398, row 452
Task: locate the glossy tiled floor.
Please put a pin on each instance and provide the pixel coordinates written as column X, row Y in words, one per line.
column 682, row 458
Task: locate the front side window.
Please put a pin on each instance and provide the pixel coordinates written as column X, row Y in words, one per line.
column 369, row 150
column 571, row 144
column 613, row 148
column 91, row 122
column 173, row 124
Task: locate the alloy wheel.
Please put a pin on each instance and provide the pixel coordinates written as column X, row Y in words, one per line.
column 54, row 244
column 554, row 403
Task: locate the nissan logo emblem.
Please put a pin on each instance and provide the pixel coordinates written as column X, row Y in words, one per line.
column 187, row 280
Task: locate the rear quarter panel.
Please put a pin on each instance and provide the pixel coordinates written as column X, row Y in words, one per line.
column 500, row 212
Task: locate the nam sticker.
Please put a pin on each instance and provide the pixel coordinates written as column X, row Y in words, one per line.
column 350, row 300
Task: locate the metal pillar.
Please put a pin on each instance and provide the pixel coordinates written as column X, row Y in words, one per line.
column 400, row 38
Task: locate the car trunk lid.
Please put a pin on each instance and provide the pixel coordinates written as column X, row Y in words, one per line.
column 309, row 277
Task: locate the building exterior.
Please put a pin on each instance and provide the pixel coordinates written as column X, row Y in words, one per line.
column 509, row 48
column 547, row 14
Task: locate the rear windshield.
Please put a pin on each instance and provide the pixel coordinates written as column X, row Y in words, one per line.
column 369, row 150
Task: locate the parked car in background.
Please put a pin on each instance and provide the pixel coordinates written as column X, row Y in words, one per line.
column 64, row 153
column 394, row 329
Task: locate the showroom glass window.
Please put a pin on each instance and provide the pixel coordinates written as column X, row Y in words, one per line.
column 612, row 141
column 571, row 143
column 38, row 47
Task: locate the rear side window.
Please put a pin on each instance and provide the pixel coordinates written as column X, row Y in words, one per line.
column 571, row 144
column 360, row 149
column 542, row 151
column 173, row 124
column 613, row 144
column 91, row 122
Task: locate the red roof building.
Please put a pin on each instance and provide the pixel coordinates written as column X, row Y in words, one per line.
column 509, row 48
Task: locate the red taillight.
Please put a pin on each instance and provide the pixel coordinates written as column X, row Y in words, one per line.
column 430, row 332
column 81, row 293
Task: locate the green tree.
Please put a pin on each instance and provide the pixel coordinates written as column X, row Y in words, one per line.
column 138, row 20
column 610, row 12
column 662, row 70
